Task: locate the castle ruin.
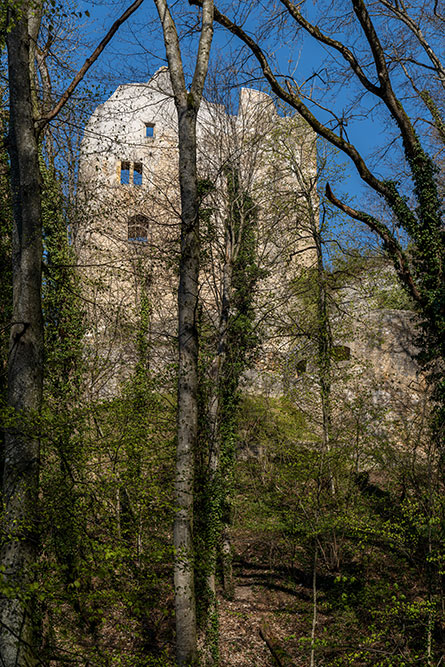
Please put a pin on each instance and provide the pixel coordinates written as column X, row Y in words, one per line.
column 128, row 242
column 128, row 233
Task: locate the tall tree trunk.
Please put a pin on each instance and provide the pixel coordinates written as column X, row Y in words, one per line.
column 235, row 325
column 187, row 105
column 187, row 390
column 5, row 267
column 25, row 371
column 324, row 343
column 19, row 548
column 214, row 416
column 308, row 187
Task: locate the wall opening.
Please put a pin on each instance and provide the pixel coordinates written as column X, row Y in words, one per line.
column 149, row 130
column 125, row 173
column 138, row 227
column 130, row 173
column 137, row 173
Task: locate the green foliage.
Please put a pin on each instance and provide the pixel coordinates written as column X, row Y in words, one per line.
column 207, row 227
column 380, row 541
column 62, row 307
column 358, row 511
column 108, row 557
column 371, row 511
column 234, row 341
column 376, row 276
column 425, row 229
column 106, row 484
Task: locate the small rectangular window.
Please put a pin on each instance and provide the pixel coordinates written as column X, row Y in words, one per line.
column 301, row 367
column 149, row 130
column 137, row 173
column 125, row 173
column 341, row 352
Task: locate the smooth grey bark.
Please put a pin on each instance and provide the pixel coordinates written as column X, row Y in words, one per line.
column 187, row 106
column 25, row 372
column 227, row 564
column 187, row 395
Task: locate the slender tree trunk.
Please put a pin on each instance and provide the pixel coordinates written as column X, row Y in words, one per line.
column 46, row 96
column 238, row 283
column 187, row 105
column 314, row 605
column 324, row 336
column 21, row 463
column 227, row 564
column 187, row 391
column 5, row 268
column 213, row 416
column 324, row 346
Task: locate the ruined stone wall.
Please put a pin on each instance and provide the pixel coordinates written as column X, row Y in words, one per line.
column 128, row 175
column 378, row 394
column 275, row 159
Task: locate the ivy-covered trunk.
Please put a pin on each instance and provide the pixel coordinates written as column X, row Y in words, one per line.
column 5, row 270
column 25, row 367
column 210, row 483
column 230, row 351
column 324, row 339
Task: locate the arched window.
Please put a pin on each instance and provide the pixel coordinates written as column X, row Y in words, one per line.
column 138, row 226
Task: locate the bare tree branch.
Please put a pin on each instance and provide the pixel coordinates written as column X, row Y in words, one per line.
column 391, row 244
column 425, row 96
column 401, row 13
column 41, row 122
column 173, row 52
column 388, row 96
column 203, row 50
column 291, row 95
column 335, row 44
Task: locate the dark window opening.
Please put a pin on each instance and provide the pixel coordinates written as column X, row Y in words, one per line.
column 125, row 173
column 301, row 366
column 149, row 130
column 138, row 229
column 137, row 173
column 341, row 353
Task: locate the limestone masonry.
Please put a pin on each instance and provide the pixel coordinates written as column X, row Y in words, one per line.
column 127, row 237
column 127, row 241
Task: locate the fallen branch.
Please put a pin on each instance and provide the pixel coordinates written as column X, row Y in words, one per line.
column 279, row 654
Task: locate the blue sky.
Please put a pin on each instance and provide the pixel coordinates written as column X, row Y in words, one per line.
column 137, row 51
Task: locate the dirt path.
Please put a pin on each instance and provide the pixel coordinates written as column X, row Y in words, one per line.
column 263, row 599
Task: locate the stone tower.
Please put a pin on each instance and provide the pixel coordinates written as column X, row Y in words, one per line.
column 128, row 229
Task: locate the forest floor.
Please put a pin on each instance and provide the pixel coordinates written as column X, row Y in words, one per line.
column 268, row 608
